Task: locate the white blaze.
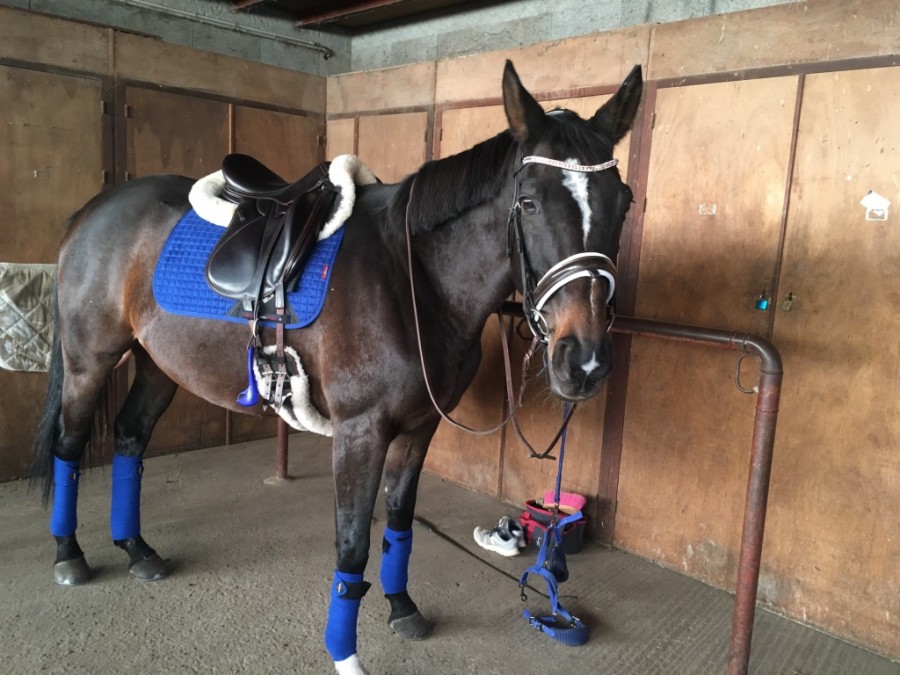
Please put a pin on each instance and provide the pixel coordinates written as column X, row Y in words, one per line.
column 577, row 183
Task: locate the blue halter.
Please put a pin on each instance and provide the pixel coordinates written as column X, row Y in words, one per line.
column 561, row 625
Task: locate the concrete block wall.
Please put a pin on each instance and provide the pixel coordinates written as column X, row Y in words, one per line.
column 270, row 40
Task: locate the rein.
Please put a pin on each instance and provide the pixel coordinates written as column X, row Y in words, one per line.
column 535, row 297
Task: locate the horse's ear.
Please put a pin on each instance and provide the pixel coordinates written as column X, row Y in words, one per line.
column 616, row 116
column 525, row 115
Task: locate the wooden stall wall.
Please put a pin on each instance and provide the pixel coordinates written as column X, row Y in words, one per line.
column 762, row 131
column 64, row 88
column 832, row 552
column 52, row 141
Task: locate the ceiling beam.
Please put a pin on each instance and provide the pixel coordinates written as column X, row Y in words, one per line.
column 345, row 10
column 246, row 4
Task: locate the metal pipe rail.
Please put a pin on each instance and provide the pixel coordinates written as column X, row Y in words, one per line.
column 761, row 450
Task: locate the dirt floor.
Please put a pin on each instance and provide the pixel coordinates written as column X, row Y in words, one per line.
column 253, row 564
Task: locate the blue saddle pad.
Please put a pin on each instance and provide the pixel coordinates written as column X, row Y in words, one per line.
column 179, row 282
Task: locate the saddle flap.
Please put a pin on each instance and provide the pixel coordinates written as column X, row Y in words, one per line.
column 241, row 251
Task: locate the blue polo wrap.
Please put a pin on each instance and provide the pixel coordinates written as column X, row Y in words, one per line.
column 125, row 506
column 395, row 551
column 63, row 517
column 340, row 632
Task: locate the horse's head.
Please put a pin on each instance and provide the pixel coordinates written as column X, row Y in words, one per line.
column 570, row 204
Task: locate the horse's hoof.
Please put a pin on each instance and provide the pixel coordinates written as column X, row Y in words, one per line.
column 151, row 568
column 412, row 627
column 72, row 572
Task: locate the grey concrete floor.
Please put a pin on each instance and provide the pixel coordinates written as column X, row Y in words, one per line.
column 253, row 563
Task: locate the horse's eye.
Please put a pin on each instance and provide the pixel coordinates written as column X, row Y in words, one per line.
column 528, row 206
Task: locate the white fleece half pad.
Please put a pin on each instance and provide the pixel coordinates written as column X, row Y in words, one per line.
column 298, row 410
column 345, row 171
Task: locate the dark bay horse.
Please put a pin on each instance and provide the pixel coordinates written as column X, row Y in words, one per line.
column 539, row 209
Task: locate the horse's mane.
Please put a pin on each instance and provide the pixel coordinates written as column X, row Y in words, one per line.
column 446, row 188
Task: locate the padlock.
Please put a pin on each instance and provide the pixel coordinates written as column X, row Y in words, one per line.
column 787, row 302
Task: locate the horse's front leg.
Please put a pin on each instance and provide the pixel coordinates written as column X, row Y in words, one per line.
column 404, row 464
column 360, row 446
column 148, row 398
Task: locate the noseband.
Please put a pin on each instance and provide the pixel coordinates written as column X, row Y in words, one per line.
column 577, row 266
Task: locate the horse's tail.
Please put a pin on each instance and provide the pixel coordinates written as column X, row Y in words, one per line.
column 49, row 428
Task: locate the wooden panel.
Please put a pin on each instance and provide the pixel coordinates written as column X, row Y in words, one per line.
column 393, row 146
column 832, row 551
column 341, row 138
column 52, row 158
column 715, row 191
column 687, row 430
column 287, row 144
column 684, row 463
column 50, row 41
column 51, row 139
column 801, row 32
column 387, row 89
column 170, row 133
column 473, row 461
column 150, row 60
column 589, row 61
column 462, row 128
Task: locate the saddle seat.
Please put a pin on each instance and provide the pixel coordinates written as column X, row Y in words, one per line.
column 248, row 177
column 273, row 230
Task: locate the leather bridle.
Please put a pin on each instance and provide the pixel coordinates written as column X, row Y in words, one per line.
column 535, row 295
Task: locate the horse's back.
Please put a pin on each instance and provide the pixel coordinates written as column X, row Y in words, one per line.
column 107, row 258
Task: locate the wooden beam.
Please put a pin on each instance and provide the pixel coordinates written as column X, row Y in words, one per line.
column 246, row 4
column 346, row 10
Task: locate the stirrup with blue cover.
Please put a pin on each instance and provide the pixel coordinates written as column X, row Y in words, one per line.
column 561, row 625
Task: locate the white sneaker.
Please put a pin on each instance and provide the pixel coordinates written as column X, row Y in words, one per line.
column 506, row 539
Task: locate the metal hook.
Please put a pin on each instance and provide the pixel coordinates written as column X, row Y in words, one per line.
column 737, row 377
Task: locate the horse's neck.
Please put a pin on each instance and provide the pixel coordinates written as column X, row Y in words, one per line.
column 465, row 266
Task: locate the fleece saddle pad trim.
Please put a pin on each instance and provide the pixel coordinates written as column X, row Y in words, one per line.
column 179, row 281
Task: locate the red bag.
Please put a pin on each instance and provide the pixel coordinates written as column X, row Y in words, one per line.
column 535, row 519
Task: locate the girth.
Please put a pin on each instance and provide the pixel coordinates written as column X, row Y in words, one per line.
column 272, row 232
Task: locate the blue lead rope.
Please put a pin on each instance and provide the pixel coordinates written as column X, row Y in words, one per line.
column 561, row 625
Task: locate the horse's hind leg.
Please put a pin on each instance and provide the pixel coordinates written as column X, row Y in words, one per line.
column 149, row 396
column 401, row 473
column 65, row 431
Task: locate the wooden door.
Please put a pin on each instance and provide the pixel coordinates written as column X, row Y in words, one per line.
column 172, row 133
column 52, row 143
column 286, row 143
column 341, row 138
column 716, row 187
column 832, row 546
column 289, row 145
column 393, row 146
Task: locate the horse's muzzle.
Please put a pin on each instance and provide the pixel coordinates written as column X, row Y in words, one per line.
column 578, row 368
